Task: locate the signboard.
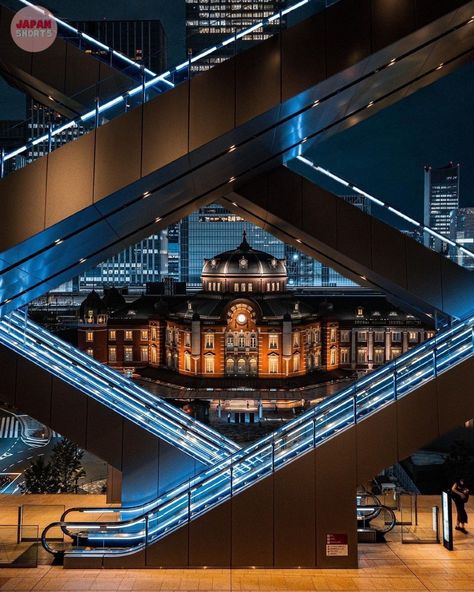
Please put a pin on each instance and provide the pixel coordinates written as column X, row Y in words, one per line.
column 337, row 545
column 435, row 521
column 33, row 29
column 447, row 521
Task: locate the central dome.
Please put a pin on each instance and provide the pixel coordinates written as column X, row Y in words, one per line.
column 244, row 270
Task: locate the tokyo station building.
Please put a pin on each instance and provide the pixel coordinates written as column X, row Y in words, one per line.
column 246, row 323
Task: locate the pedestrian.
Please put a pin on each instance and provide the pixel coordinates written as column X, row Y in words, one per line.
column 460, row 495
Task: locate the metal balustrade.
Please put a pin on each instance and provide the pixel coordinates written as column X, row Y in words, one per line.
column 113, row 389
column 151, row 83
column 430, row 238
column 248, row 466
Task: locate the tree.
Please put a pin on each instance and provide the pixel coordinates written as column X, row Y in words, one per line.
column 39, row 477
column 59, row 475
column 66, row 465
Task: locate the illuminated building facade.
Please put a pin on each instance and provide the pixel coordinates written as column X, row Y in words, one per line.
column 211, row 22
column 247, row 323
column 441, row 197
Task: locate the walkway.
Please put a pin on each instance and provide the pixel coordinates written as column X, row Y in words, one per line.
column 392, row 567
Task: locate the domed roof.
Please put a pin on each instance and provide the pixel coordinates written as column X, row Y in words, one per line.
column 244, row 261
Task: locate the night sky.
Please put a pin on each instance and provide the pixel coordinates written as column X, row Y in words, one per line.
column 385, row 154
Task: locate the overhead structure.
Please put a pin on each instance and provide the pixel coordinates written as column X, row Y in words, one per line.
column 158, row 162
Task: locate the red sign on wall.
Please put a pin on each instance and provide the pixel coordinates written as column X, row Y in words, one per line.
column 337, row 545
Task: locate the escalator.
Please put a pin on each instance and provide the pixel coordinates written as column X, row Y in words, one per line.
column 70, row 75
column 362, row 407
column 159, row 161
column 374, row 519
column 357, row 244
column 112, row 390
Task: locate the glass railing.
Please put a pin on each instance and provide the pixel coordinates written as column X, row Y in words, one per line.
column 106, row 106
column 9, row 293
column 376, row 207
column 85, row 42
column 248, row 466
column 113, row 389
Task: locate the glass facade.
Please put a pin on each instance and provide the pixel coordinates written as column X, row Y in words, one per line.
column 462, row 231
column 441, row 196
column 144, row 41
column 147, row 261
column 212, row 21
column 213, row 229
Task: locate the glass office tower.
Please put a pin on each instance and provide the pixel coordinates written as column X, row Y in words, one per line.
column 441, row 196
column 210, row 22
column 462, row 231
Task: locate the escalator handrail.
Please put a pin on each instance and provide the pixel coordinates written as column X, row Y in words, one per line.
column 312, row 415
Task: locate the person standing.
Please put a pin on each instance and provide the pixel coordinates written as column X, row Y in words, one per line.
column 460, row 494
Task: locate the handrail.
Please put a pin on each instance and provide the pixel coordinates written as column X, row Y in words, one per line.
column 113, row 389
column 418, row 226
column 165, row 77
column 317, row 425
column 374, row 512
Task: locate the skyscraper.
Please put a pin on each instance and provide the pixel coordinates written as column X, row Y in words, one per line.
column 441, row 196
column 143, row 41
column 462, row 231
column 209, row 23
column 147, row 261
column 213, row 229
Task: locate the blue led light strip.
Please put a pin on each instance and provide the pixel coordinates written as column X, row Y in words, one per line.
column 153, row 81
column 113, row 389
column 92, row 40
column 412, row 221
column 248, row 466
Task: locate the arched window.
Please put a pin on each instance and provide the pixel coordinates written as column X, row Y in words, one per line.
column 230, row 366
column 253, row 366
column 209, row 364
column 273, row 364
column 153, row 354
column 241, row 366
column 296, row 362
column 168, row 359
column 187, row 362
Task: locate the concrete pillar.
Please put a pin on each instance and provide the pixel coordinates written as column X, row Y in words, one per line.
column 286, row 338
column 196, row 337
column 353, row 349
column 370, row 347
column 388, row 343
column 405, row 342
